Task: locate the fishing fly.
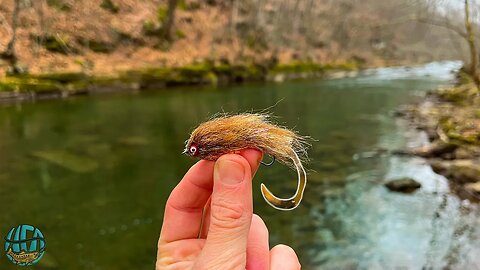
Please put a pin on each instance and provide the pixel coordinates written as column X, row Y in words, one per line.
column 231, row 133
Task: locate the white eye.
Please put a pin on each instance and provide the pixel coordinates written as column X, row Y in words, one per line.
column 193, row 149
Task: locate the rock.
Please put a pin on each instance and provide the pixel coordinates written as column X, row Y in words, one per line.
column 473, row 187
column 436, row 149
column 465, row 171
column 460, row 171
column 75, row 163
column 467, row 152
column 405, row 185
column 441, row 167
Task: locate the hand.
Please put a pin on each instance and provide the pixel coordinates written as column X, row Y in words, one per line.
column 209, row 221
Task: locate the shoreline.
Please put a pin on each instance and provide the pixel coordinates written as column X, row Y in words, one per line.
column 451, row 120
column 31, row 87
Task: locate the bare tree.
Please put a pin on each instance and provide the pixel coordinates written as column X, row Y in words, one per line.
column 471, row 45
column 168, row 24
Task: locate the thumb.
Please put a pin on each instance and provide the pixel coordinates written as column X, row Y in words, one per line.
column 231, row 213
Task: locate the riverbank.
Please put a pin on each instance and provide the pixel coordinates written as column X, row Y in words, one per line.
column 63, row 85
column 451, row 119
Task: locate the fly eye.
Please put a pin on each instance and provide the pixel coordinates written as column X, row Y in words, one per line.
column 193, row 150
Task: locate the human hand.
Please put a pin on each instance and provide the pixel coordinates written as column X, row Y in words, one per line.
column 209, row 221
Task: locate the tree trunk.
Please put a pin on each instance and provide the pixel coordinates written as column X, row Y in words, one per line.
column 471, row 45
column 9, row 54
column 169, row 20
column 233, row 18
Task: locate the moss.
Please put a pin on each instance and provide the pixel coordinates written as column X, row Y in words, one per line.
column 458, row 95
column 298, row 67
column 347, row 66
column 182, row 5
column 102, row 81
column 180, row 34
column 14, row 84
column 463, row 77
column 55, row 43
column 96, row 45
column 151, row 28
column 59, row 4
column 110, row 6
column 77, row 85
column 240, row 73
column 60, row 77
column 161, row 13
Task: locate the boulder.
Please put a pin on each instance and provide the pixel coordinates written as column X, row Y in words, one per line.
column 473, row 187
column 436, row 149
column 460, row 170
column 405, row 185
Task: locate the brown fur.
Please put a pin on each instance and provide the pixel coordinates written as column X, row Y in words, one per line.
column 228, row 134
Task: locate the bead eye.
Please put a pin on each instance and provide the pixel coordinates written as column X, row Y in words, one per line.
column 193, row 150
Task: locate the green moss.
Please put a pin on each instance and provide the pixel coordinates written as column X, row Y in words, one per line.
column 298, row 67
column 182, row 5
column 55, row 43
column 180, row 34
column 59, row 4
column 150, row 28
column 61, row 77
column 110, row 6
column 347, row 66
column 96, row 45
column 239, row 73
column 161, row 13
column 457, row 95
column 103, row 81
column 14, row 84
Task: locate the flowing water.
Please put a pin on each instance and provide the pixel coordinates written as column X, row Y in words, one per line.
column 94, row 174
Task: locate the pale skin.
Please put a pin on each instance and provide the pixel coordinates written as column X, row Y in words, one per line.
column 209, row 221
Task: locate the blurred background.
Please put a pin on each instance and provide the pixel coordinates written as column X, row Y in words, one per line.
column 97, row 98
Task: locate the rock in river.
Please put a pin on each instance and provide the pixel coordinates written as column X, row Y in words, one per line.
column 473, row 187
column 405, row 185
column 460, row 170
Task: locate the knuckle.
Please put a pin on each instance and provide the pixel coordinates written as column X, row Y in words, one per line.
column 226, row 214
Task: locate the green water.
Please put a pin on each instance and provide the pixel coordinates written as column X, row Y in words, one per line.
column 94, row 174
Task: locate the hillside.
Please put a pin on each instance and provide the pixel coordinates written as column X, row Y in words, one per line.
column 105, row 36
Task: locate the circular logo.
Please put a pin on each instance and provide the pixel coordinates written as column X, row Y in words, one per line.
column 24, row 245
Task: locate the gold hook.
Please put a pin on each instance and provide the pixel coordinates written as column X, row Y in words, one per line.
column 292, row 202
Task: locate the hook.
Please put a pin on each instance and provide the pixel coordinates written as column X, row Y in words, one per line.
column 270, row 163
column 292, row 202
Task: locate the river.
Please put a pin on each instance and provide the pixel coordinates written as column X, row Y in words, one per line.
column 93, row 173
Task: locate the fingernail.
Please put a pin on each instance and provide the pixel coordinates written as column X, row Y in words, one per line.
column 230, row 172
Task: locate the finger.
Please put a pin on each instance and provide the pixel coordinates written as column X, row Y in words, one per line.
column 258, row 252
column 183, row 210
column 253, row 157
column 283, row 257
column 231, row 214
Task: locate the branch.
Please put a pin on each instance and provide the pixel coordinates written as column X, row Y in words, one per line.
column 445, row 24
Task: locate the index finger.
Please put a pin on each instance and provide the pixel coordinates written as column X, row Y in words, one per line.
column 184, row 207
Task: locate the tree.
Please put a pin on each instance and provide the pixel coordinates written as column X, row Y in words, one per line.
column 168, row 24
column 466, row 32
column 471, row 45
